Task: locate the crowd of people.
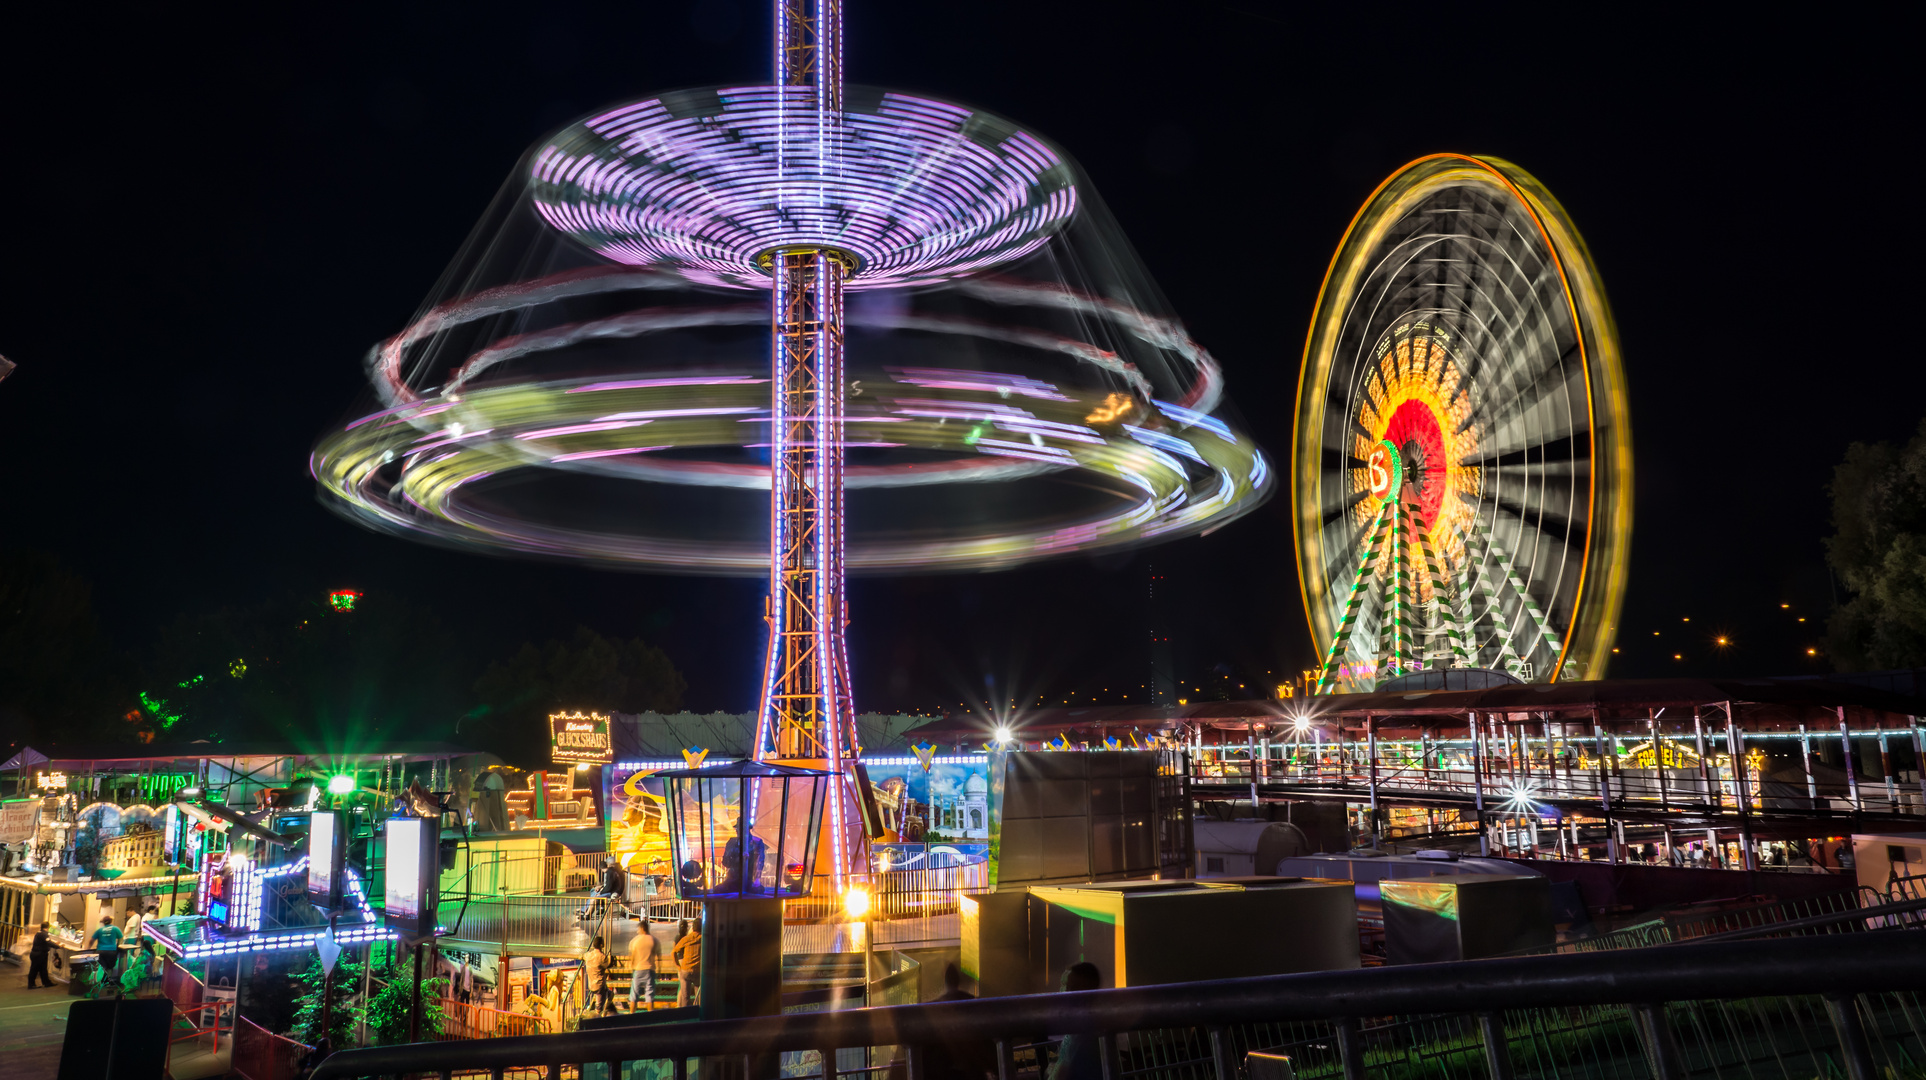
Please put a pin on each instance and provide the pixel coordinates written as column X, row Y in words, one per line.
column 112, row 947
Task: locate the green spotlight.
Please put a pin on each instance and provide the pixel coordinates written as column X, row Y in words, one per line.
column 340, row 785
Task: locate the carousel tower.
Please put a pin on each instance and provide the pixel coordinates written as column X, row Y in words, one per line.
column 806, row 715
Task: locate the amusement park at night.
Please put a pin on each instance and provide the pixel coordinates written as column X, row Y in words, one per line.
column 814, row 590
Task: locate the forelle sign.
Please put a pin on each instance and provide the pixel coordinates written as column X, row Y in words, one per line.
column 579, row 738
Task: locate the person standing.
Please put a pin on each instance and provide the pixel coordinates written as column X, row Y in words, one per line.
column 642, row 970
column 37, row 958
column 467, row 984
column 688, row 965
column 107, row 940
column 135, row 920
column 595, row 968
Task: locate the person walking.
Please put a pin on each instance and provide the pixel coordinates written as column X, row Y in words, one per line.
column 642, row 970
column 688, row 965
column 959, row 1059
column 107, row 940
column 1077, row 1055
column 595, row 968
column 37, row 958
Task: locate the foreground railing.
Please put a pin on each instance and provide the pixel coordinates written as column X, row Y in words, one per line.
column 1647, row 1008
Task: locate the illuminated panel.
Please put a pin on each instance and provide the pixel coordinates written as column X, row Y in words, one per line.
column 402, row 898
column 324, row 855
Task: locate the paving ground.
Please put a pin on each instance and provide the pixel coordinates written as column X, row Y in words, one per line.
column 32, row 1025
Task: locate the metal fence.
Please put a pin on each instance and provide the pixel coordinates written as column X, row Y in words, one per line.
column 1791, row 1008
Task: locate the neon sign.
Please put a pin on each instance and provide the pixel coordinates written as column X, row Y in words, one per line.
column 580, row 738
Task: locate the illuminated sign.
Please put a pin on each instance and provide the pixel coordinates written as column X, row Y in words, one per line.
column 157, row 786
column 580, row 737
column 1386, row 467
column 53, row 781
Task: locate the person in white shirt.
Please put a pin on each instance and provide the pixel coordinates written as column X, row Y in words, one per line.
column 134, row 921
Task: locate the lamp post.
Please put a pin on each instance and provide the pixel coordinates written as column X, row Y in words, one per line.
column 742, row 838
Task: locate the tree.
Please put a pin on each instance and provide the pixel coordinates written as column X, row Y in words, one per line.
column 392, row 1001
column 1878, row 550
column 300, row 668
column 588, row 672
column 345, row 994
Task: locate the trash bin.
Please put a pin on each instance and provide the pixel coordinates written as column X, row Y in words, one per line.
column 83, row 971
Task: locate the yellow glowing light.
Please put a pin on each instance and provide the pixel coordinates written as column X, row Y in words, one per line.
column 1284, row 689
column 52, row 781
column 1722, row 641
column 1183, row 701
column 1812, row 652
column 1113, row 407
column 1676, row 656
column 1785, row 605
column 856, row 903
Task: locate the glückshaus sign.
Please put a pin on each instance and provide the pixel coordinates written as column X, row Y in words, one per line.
column 580, row 737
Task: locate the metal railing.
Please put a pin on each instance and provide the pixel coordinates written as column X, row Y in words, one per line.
column 1840, row 913
column 1671, row 1013
column 1713, row 787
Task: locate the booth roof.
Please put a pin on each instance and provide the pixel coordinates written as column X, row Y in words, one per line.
column 663, row 736
column 80, row 756
column 1612, row 698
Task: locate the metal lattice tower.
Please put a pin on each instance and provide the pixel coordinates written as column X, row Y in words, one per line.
column 807, row 716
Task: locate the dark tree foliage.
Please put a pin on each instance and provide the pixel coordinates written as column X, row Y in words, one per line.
column 60, row 680
column 1878, row 551
column 298, row 669
column 588, row 672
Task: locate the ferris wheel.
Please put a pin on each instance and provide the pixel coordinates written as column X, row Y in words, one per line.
column 1462, row 459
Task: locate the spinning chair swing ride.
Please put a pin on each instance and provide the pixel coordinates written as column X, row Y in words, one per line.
column 966, row 367
column 1462, row 460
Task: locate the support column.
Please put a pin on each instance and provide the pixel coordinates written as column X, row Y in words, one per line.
column 1805, row 759
column 1852, row 768
column 1886, row 765
column 1478, row 783
column 1919, row 759
column 1371, row 750
column 1705, row 770
column 1735, row 746
column 1605, row 788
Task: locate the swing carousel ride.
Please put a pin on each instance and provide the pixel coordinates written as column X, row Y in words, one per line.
column 797, row 330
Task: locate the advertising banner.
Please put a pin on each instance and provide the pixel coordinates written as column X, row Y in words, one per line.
column 17, row 820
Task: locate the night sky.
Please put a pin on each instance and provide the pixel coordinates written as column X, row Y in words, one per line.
column 210, row 219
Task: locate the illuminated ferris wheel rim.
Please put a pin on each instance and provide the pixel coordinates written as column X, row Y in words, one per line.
column 1606, row 511
column 911, row 189
column 1175, row 472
